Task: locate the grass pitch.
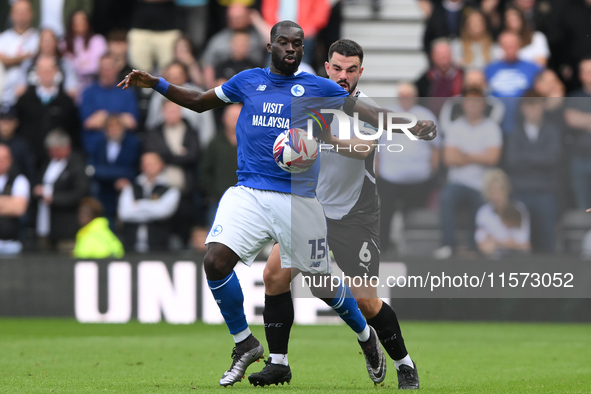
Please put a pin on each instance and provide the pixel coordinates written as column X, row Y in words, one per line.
column 63, row 356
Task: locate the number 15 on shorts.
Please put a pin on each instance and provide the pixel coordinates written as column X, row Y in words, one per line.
column 318, row 248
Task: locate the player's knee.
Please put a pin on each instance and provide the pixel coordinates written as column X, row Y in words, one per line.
column 277, row 281
column 369, row 307
column 216, row 265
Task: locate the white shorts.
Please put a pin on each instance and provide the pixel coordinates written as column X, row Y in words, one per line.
column 247, row 219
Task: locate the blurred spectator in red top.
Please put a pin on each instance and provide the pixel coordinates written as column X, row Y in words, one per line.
column 442, row 79
column 311, row 15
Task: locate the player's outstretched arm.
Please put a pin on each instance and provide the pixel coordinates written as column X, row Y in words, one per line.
column 424, row 129
column 188, row 98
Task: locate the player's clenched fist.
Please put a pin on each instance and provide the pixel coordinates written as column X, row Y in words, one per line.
column 138, row 78
column 425, row 130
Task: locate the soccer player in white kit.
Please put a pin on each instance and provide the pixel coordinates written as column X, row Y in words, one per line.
column 348, row 193
column 259, row 207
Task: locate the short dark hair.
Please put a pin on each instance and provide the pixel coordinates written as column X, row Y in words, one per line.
column 285, row 23
column 473, row 92
column 117, row 35
column 346, row 48
column 95, row 206
column 531, row 97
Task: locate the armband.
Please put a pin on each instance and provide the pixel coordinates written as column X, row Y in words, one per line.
column 162, row 86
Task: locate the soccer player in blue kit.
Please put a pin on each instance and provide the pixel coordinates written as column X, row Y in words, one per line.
column 347, row 190
column 259, row 207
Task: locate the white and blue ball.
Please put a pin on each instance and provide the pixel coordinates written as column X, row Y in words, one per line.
column 294, row 152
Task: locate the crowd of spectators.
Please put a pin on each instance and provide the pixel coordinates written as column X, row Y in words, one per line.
column 81, row 160
column 508, row 83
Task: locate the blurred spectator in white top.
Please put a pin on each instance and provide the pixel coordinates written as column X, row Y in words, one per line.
column 14, row 199
column 475, row 46
column 202, row 123
column 83, row 48
column 502, row 225
column 405, row 178
column 534, row 45
column 16, row 45
column 60, row 189
column 472, row 144
column 48, row 46
column 452, row 108
column 219, row 47
column 183, row 53
column 146, row 207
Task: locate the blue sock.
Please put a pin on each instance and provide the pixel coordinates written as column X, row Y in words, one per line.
column 345, row 305
column 229, row 297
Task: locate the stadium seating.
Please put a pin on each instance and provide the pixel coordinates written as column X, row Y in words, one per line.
column 392, row 43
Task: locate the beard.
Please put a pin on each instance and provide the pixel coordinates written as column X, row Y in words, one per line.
column 349, row 88
column 283, row 66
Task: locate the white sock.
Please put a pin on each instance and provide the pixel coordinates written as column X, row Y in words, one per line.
column 406, row 361
column 363, row 336
column 242, row 335
column 280, row 359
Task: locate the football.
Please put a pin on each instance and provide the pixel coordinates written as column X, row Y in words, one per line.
column 294, row 152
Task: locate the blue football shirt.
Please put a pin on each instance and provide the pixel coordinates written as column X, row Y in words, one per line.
column 267, row 113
